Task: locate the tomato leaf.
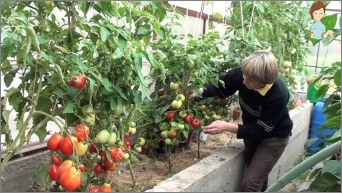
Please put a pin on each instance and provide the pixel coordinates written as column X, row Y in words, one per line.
column 107, row 84
column 5, row 66
column 8, row 78
column 104, row 33
column 332, row 166
column 122, row 43
column 329, row 21
column 337, row 77
column 117, row 54
column 69, row 108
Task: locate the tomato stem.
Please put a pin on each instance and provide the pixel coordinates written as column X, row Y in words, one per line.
column 198, row 145
column 132, row 174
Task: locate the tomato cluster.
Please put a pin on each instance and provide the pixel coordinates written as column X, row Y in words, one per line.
column 82, row 153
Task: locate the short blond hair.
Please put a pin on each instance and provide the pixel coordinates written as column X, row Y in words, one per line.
column 261, row 65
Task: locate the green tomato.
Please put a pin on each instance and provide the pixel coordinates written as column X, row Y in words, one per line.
column 103, row 136
column 180, row 97
column 175, row 141
column 182, row 114
column 195, row 74
column 141, row 141
column 174, row 124
column 168, row 141
column 163, row 126
column 174, row 85
column 164, row 134
column 180, row 126
column 190, row 65
column 176, row 104
column 132, row 124
column 138, row 149
column 125, row 156
column 112, row 138
column 132, row 130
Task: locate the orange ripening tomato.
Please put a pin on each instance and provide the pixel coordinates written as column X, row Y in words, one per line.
column 64, row 166
column 53, row 142
column 68, row 144
column 82, row 131
column 70, row 179
column 106, row 187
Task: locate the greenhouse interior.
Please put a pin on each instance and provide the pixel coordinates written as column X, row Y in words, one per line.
column 166, row 96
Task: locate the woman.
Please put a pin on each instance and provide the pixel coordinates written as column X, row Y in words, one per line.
column 317, row 11
column 267, row 126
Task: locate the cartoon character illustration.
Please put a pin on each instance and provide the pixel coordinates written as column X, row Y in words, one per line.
column 317, row 11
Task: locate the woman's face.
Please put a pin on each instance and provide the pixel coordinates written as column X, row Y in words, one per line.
column 251, row 83
column 318, row 14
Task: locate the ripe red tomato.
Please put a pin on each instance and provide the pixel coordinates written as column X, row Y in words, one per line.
column 188, row 118
column 93, row 147
column 196, row 123
column 128, row 143
column 78, row 81
column 70, row 179
column 82, row 131
column 98, row 168
column 102, row 153
column 106, row 187
column 64, row 166
column 53, row 142
column 55, row 160
column 68, row 144
column 94, row 189
column 127, row 134
column 169, row 115
column 53, row 172
column 82, row 168
column 107, row 163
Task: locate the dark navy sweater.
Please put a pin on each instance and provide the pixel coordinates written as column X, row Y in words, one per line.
column 263, row 116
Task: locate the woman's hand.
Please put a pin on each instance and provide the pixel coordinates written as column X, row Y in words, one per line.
column 193, row 94
column 220, row 126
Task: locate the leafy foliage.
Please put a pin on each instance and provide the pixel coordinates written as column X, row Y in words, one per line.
column 277, row 26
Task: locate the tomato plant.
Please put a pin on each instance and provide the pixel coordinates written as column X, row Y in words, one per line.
column 61, row 80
